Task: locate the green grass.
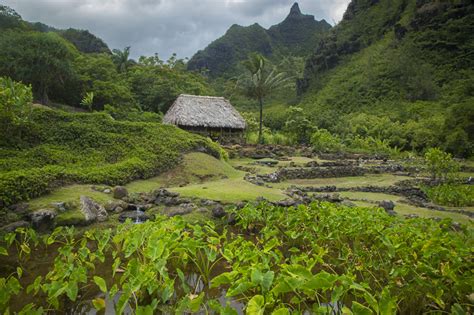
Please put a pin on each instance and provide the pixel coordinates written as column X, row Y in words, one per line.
column 344, row 182
column 195, row 168
column 230, row 190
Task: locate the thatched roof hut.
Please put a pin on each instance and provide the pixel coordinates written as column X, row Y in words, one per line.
column 204, row 113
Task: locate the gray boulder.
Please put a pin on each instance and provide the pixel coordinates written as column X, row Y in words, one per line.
column 92, row 210
column 387, row 205
column 218, row 212
column 112, row 205
column 120, row 192
column 43, row 219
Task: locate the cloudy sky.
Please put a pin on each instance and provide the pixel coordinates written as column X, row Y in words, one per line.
column 166, row 26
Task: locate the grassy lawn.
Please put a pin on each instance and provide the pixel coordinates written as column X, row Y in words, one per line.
column 195, row 168
column 371, row 179
column 230, row 190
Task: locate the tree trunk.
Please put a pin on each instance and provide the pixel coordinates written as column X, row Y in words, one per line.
column 260, row 129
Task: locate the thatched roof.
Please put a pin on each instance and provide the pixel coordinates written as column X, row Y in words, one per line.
column 203, row 111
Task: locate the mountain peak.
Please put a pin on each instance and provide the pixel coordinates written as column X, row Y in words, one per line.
column 295, row 9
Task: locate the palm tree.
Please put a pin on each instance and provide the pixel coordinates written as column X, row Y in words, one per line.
column 261, row 83
column 120, row 58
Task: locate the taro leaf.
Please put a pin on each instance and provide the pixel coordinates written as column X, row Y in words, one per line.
column 72, row 290
column 98, row 303
column 100, row 283
column 155, row 250
column 241, row 288
column 223, row 278
column 360, row 309
column 256, row 306
column 281, row 311
column 321, row 281
column 265, row 280
column 387, row 303
column 3, row 251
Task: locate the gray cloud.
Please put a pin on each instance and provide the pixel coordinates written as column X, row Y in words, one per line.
column 167, row 26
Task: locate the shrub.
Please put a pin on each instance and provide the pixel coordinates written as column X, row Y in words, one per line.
column 452, row 195
column 440, row 164
column 323, row 141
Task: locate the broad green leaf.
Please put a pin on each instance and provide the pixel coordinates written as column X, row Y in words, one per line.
column 99, row 303
column 321, row 281
column 72, row 290
column 100, row 283
column 223, row 278
column 281, row 311
column 3, row 251
column 241, row 288
column 155, row 250
column 387, row 303
column 19, row 272
column 256, row 306
column 359, row 309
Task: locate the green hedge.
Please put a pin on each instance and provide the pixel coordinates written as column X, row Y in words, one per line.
column 59, row 147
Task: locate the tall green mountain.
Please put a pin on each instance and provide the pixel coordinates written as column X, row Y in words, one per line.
column 408, row 63
column 298, row 34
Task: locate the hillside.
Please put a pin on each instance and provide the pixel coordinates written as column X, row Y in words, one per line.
column 55, row 148
column 399, row 70
column 296, row 35
column 83, row 40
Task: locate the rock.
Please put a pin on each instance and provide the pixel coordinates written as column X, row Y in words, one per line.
column 312, row 164
column 112, row 205
column 164, row 193
column 171, row 212
column 107, row 191
column 20, row 209
column 15, row 225
column 218, row 212
column 43, row 219
column 60, row 206
column 120, row 192
column 92, row 210
column 135, row 216
column 208, row 203
column 118, row 210
column 387, row 205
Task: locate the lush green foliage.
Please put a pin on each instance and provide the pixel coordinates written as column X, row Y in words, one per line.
column 397, row 71
column 42, row 60
column 319, row 258
column 15, row 108
column 88, row 148
column 452, row 195
column 440, row 164
column 155, row 84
